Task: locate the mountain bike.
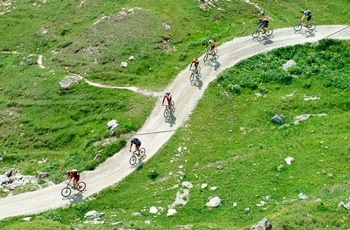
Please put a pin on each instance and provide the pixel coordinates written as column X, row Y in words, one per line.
column 135, row 155
column 300, row 25
column 210, row 56
column 168, row 110
column 66, row 191
column 259, row 32
column 196, row 74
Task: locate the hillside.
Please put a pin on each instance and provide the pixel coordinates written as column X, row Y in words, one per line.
column 178, row 122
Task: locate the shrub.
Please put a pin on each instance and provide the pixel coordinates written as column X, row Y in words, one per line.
column 153, row 174
column 182, row 57
column 262, row 89
column 295, row 70
column 235, row 88
column 306, row 85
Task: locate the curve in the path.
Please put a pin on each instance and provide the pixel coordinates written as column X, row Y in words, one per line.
column 156, row 131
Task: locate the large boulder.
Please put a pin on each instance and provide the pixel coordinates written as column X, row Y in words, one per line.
column 68, row 81
column 265, row 224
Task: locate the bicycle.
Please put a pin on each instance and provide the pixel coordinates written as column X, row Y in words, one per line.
column 168, row 110
column 213, row 55
column 300, row 25
column 135, row 155
column 259, row 32
column 196, row 74
column 66, row 191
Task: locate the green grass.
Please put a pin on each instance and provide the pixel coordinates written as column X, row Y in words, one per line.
column 39, row 121
column 243, row 157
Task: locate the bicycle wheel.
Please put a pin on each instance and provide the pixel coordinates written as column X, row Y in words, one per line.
column 297, row 27
column 65, row 192
column 192, row 77
column 199, row 75
column 256, row 34
column 269, row 32
column 143, row 153
column 312, row 26
column 82, row 186
column 133, row 160
column 166, row 112
column 214, row 52
column 205, row 59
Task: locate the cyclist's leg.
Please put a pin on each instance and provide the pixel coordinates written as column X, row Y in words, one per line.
column 308, row 20
column 77, row 181
column 169, row 103
column 212, row 50
column 137, row 148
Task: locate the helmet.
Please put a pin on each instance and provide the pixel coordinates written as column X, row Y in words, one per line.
column 210, row 41
column 260, row 19
column 167, row 93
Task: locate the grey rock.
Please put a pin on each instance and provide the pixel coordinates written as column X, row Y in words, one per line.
column 278, row 119
column 10, row 172
column 68, row 81
column 93, row 214
column 302, row 196
column 39, row 174
column 265, row 224
column 112, row 125
column 4, row 179
column 288, row 64
column 214, row 202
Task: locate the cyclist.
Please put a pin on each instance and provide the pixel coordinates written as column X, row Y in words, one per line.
column 73, row 175
column 263, row 24
column 169, row 98
column 196, row 63
column 305, row 14
column 137, row 144
column 212, row 43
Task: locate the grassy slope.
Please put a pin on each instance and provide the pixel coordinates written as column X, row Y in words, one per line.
column 164, row 66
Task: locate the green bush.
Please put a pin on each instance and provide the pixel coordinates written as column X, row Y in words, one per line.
column 306, row 84
column 235, row 88
column 295, row 70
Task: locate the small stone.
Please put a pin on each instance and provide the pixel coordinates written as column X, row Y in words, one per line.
column 171, row 212
column 153, row 210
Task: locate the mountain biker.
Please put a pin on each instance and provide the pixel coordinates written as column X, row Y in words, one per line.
column 74, row 175
column 212, row 43
column 305, row 14
column 169, row 98
column 196, row 63
column 137, row 144
column 263, row 24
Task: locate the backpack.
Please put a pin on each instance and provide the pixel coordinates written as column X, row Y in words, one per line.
column 307, row 12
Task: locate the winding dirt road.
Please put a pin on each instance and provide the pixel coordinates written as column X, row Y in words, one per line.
column 156, row 131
